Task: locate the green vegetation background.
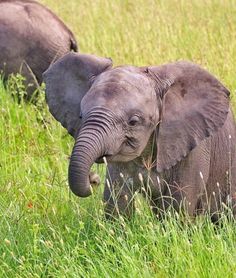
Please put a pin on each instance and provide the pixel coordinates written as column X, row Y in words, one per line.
column 45, row 231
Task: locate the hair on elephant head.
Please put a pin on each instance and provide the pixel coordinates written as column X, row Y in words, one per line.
column 113, row 112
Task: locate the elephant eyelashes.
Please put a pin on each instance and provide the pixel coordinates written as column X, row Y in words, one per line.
column 134, row 120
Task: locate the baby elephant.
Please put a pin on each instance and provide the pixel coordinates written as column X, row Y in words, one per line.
column 166, row 131
column 31, row 38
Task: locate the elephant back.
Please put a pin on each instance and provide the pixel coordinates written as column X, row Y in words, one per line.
column 31, row 38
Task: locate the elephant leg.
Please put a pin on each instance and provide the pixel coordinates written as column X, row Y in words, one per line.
column 222, row 178
column 31, row 82
column 233, row 189
column 183, row 186
column 118, row 193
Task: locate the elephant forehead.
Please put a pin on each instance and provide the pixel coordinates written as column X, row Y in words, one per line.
column 126, row 77
column 119, row 90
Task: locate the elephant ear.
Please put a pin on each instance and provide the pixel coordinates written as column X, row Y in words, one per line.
column 67, row 81
column 194, row 106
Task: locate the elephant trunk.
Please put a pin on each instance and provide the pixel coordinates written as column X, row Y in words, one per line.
column 88, row 147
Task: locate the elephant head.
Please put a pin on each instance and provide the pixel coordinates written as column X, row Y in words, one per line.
column 112, row 112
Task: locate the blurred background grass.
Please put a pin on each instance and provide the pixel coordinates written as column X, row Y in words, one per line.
column 45, row 231
column 146, row 32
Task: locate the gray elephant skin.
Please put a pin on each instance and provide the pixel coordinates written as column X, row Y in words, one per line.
column 166, row 131
column 31, row 38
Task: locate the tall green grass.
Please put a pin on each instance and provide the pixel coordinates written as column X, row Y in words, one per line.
column 45, row 231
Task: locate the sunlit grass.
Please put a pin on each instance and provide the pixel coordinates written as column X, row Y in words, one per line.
column 45, row 231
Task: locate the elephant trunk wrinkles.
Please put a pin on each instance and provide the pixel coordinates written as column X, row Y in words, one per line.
column 88, row 147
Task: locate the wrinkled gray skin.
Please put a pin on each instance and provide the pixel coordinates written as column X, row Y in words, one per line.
column 171, row 123
column 31, row 38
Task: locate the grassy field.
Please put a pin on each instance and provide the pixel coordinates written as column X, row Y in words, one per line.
column 45, row 231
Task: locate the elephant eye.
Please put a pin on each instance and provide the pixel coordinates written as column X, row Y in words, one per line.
column 133, row 120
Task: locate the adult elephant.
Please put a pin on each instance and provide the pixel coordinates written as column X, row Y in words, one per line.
column 31, row 38
column 168, row 129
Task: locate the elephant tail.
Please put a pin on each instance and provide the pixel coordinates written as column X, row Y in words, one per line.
column 73, row 45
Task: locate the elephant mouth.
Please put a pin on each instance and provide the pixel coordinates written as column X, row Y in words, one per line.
column 100, row 159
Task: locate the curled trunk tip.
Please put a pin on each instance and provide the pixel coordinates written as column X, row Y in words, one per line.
column 85, row 152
